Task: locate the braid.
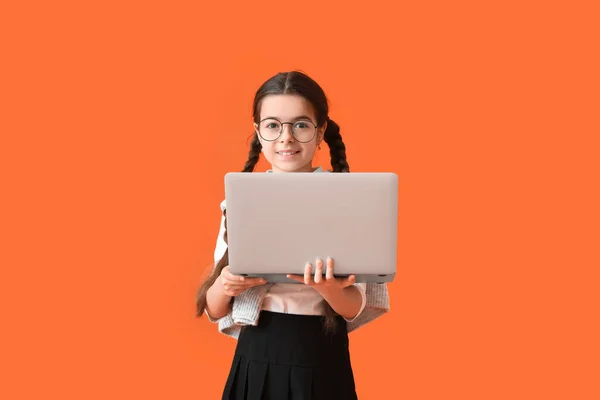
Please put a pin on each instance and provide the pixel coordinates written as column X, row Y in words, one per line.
column 337, row 151
column 212, row 277
column 253, row 157
column 329, row 318
column 253, row 154
column 337, row 148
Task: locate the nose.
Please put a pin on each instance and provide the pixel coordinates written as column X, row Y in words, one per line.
column 286, row 133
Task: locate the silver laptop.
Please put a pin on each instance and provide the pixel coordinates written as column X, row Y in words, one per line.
column 277, row 222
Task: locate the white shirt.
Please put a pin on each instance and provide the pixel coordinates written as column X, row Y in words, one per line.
column 289, row 298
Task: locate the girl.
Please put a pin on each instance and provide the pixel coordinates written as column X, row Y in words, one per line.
column 292, row 338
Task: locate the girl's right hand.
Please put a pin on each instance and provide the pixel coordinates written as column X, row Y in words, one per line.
column 234, row 285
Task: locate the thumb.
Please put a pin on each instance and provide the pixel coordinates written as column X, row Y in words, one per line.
column 225, row 271
column 349, row 281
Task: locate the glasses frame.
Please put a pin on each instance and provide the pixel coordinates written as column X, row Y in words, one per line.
column 281, row 130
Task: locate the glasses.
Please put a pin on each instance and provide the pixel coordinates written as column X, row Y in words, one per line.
column 303, row 131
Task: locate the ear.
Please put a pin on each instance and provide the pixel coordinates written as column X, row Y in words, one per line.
column 321, row 133
column 262, row 145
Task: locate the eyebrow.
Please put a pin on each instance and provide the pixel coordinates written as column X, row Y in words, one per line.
column 293, row 119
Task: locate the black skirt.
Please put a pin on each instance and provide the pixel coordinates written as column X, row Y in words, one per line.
column 291, row 357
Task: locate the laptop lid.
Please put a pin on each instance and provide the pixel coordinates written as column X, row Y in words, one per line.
column 278, row 222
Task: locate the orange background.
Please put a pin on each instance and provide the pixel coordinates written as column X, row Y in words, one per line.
column 120, row 119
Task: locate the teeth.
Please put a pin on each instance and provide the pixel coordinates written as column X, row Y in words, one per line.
column 287, row 153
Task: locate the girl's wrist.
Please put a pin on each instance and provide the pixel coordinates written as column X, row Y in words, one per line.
column 218, row 290
column 346, row 301
column 330, row 291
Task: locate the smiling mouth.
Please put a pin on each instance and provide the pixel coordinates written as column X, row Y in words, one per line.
column 287, row 153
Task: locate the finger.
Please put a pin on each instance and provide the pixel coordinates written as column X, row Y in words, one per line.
column 298, row 278
column 349, row 281
column 307, row 270
column 247, row 283
column 318, row 270
column 329, row 274
column 228, row 288
column 257, row 282
column 253, row 281
column 229, row 285
column 236, row 288
column 228, row 275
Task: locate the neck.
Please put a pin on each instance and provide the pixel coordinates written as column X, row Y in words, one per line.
column 308, row 168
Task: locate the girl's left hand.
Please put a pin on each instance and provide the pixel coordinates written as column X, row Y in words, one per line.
column 320, row 282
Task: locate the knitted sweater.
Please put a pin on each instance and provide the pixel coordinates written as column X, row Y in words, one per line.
column 246, row 307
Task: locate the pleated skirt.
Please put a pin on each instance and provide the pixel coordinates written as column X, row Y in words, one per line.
column 290, row 357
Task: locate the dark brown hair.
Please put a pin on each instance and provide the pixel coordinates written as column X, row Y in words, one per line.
column 287, row 83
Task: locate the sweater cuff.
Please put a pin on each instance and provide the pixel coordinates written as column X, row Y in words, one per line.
column 211, row 319
column 362, row 288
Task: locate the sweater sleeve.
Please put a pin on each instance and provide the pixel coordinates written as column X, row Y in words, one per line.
column 377, row 304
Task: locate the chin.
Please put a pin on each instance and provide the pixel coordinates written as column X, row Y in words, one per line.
column 289, row 167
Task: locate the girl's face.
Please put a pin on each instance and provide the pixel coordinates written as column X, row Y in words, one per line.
column 286, row 153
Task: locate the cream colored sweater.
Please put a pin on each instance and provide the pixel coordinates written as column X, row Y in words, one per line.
column 247, row 306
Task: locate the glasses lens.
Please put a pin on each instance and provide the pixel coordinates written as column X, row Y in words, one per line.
column 269, row 129
column 304, row 131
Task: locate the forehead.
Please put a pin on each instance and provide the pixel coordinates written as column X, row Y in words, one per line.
column 286, row 106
